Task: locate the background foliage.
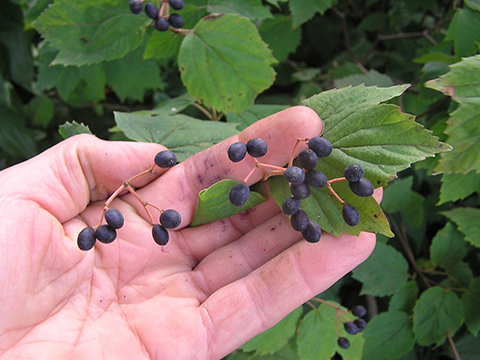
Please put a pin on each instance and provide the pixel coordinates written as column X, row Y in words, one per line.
column 92, row 66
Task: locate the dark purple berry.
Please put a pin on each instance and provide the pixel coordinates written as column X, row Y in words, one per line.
column 350, row 215
column 361, row 324
column 350, row 328
column 359, row 311
column 353, row 172
column 256, row 147
column 237, row 151
column 86, row 239
column 294, row 175
column 343, row 343
column 300, row 191
column 307, row 159
column 165, row 159
column 239, row 194
column 136, row 6
column 362, row 187
column 316, row 179
column 176, row 4
column 176, row 21
column 313, row 232
column 151, row 11
column 160, row 234
column 321, row 146
column 299, row 220
column 105, row 234
column 114, row 218
column 162, row 24
column 290, row 206
column 170, row 219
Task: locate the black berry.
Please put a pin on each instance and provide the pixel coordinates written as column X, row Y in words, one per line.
column 256, row 147
column 313, row 232
column 86, row 239
column 160, row 234
column 176, row 4
column 165, row 159
column 105, row 234
column 239, row 194
column 294, row 175
column 350, row 328
column 316, row 179
column 362, row 187
column 151, row 11
column 343, row 343
column 359, row 311
column 170, row 219
column 162, row 24
column 321, row 146
column 350, row 215
column 299, row 220
column 290, row 206
column 300, row 191
column 307, row 159
column 353, row 172
column 114, row 218
column 361, row 324
column 237, row 151
column 176, row 21
column 136, row 6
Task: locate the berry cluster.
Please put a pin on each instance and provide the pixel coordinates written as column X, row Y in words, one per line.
column 353, row 327
column 106, row 233
column 301, row 178
column 162, row 17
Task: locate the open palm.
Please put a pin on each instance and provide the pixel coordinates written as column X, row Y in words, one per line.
column 211, row 289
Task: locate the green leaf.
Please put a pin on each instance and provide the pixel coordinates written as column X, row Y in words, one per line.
column 172, row 106
column 470, row 300
column 182, row 134
column 73, row 128
column 213, row 203
column 459, row 276
column 383, row 273
column 276, row 337
column 252, row 9
column 88, row 32
column 225, row 64
column 131, row 76
column 464, row 30
column 468, row 348
column 467, row 221
column 436, row 313
column 40, row 110
column 372, row 78
column 404, row 299
column 380, row 138
column 253, row 114
column 447, row 248
column 388, row 336
column 473, row 4
column 279, row 36
column 399, row 196
column 302, row 10
column 458, row 186
column 15, row 139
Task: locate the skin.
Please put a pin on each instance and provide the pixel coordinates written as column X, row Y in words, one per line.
column 210, row 290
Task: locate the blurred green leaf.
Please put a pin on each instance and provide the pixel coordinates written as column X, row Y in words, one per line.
column 280, row 36
column 464, row 30
column 252, row 9
column 448, row 247
column 470, row 300
column 458, row 186
column 15, row 139
column 302, row 11
column 466, row 219
column 182, row 134
column 276, row 337
column 383, row 273
column 40, row 110
column 404, row 299
column 253, row 114
column 372, row 78
column 213, row 203
column 225, row 64
column 399, row 196
column 388, row 336
column 88, row 32
column 436, row 313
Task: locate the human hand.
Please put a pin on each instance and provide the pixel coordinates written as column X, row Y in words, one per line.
column 212, row 288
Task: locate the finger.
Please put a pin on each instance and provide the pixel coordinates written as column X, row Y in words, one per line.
column 245, row 308
column 179, row 187
column 81, row 169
